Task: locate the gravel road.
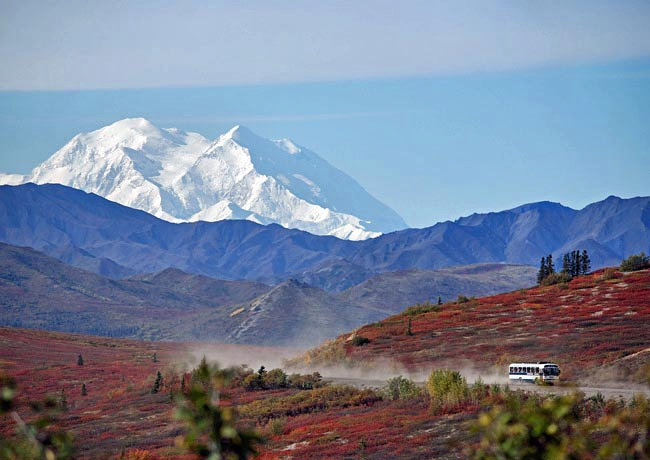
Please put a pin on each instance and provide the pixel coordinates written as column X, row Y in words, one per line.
column 615, row 391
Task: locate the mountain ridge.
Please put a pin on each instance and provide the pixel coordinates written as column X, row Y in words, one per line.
column 55, row 218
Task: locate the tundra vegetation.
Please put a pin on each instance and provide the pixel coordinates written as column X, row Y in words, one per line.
column 218, row 419
column 240, row 412
column 593, row 321
column 635, row 262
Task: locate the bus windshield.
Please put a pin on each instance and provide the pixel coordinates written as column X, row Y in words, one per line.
column 551, row 370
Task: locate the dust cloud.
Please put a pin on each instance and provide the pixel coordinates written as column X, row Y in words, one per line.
column 377, row 371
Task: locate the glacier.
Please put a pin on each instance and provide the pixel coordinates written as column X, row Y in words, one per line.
column 184, row 177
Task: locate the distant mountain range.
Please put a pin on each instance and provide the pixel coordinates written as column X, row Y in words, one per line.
column 37, row 291
column 179, row 176
column 93, row 233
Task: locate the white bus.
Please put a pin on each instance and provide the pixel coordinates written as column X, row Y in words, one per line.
column 529, row 372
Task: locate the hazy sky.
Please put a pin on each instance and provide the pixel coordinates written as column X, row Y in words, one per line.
column 82, row 44
column 439, row 109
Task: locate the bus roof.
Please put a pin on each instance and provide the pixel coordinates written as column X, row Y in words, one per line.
column 545, row 363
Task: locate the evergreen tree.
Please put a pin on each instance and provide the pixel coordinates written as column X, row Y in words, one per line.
column 586, row 262
column 154, row 358
column 408, row 328
column 157, row 384
column 261, row 371
column 541, row 274
column 84, row 392
column 80, row 360
column 550, row 268
column 565, row 264
column 439, row 300
column 183, row 384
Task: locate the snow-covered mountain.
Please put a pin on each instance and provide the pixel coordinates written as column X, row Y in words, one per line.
column 179, row 176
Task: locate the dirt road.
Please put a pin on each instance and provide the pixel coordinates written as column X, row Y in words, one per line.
column 615, row 391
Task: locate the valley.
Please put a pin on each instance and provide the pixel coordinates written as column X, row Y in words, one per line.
column 40, row 292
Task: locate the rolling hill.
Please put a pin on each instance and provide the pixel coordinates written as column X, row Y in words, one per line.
column 593, row 323
column 37, row 291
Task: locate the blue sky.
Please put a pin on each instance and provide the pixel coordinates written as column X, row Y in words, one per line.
column 437, row 111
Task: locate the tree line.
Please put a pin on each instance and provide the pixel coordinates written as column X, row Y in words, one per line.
column 574, row 263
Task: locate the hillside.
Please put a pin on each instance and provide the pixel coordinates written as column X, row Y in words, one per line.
column 595, row 322
column 119, row 416
column 391, row 291
column 38, row 291
column 291, row 314
column 64, row 222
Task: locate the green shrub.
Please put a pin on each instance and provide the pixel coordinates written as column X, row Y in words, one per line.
column 608, row 274
column 527, row 429
column 274, row 379
column 479, row 390
column 306, row 402
column 359, row 340
column 34, row 439
column 462, row 299
column 564, row 427
column 635, row 262
column 556, row 278
column 306, row 382
column 399, row 388
column 276, row 426
column 420, row 308
column 253, row 382
column 211, row 429
column 447, row 389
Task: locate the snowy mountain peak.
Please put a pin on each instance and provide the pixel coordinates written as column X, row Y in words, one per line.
column 181, row 176
column 233, row 132
column 288, row 146
column 127, row 130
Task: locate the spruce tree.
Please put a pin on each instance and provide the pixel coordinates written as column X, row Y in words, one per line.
column 84, row 392
column 259, row 378
column 154, row 358
column 541, row 274
column 586, row 262
column 408, row 328
column 80, row 360
column 565, row 264
column 550, row 268
column 439, row 300
column 157, row 384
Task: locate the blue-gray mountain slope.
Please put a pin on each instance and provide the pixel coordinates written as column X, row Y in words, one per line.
column 68, row 223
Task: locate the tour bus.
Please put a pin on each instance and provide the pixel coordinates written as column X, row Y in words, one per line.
column 529, row 372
